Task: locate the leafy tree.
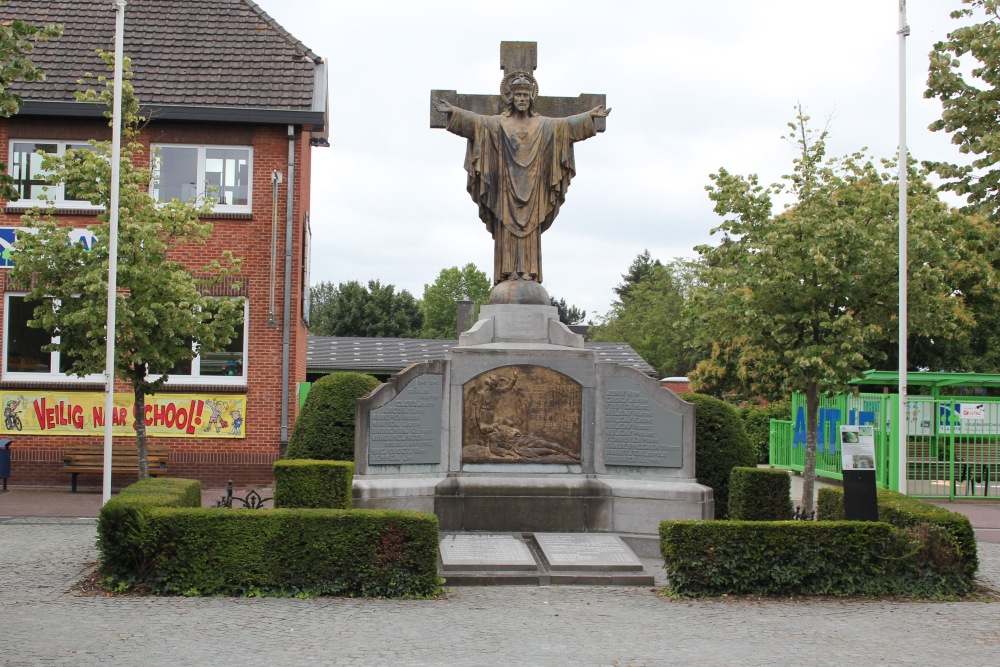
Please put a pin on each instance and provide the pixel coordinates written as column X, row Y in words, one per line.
column 649, row 317
column 641, row 268
column 17, row 41
column 814, row 289
column 439, row 302
column 568, row 314
column 968, row 99
column 375, row 311
column 163, row 316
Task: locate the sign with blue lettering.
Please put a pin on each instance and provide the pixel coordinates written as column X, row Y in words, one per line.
column 8, row 235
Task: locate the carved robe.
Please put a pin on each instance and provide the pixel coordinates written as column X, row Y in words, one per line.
column 518, row 176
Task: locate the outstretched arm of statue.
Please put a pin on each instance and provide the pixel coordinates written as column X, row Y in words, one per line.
column 597, row 112
column 443, row 105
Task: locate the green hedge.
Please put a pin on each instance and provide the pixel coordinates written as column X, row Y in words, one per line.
column 721, row 444
column 760, row 494
column 122, row 523
column 808, row 558
column 374, row 553
column 311, row 483
column 905, row 512
column 155, row 534
column 757, row 422
column 324, row 429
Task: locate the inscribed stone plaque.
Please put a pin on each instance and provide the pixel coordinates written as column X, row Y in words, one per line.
column 521, row 414
column 408, row 428
column 485, row 552
column 588, row 551
column 638, row 431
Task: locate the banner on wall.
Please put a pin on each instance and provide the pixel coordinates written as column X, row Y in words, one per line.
column 166, row 415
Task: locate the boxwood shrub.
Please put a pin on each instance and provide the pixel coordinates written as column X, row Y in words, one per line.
column 311, row 483
column 906, row 512
column 376, row 553
column 759, row 494
column 324, row 429
column 807, row 558
column 122, row 523
column 757, row 422
column 721, row 444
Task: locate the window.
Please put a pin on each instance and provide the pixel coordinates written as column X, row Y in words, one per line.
column 225, row 365
column 23, row 354
column 222, row 173
column 30, row 178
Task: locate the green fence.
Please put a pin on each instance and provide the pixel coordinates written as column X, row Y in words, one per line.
column 953, row 443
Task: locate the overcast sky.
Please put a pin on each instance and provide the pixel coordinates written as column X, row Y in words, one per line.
column 694, row 86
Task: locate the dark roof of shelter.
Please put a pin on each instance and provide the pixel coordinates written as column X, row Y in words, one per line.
column 331, row 353
column 184, row 53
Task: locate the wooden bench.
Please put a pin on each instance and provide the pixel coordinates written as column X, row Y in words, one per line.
column 89, row 458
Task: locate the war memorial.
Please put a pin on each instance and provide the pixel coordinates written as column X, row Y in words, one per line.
column 534, row 456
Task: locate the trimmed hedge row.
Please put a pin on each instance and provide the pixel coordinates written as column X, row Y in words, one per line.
column 808, row 558
column 905, row 512
column 123, row 521
column 154, row 533
column 324, row 428
column 760, row 494
column 312, row 483
column 372, row 553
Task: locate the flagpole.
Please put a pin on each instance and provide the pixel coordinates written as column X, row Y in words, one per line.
column 903, row 421
column 116, row 154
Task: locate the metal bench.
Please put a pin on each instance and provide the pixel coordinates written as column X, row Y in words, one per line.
column 89, row 458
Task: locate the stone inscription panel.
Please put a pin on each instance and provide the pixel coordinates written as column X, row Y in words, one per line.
column 521, row 414
column 638, row 431
column 408, row 429
column 574, row 551
column 485, row 552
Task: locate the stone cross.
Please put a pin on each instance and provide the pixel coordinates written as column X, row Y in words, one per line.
column 514, row 56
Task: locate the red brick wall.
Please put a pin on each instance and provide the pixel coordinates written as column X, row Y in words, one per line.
column 37, row 459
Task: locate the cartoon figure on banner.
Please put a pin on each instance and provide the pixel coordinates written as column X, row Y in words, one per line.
column 217, row 407
column 237, row 422
column 11, row 416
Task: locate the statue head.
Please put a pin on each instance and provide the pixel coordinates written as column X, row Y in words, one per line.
column 519, row 90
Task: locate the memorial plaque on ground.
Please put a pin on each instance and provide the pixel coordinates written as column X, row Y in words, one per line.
column 637, row 430
column 485, row 552
column 408, row 428
column 586, row 551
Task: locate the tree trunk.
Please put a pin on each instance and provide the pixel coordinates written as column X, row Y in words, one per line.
column 140, row 430
column 809, row 471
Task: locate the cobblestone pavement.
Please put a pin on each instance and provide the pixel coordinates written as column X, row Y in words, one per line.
column 43, row 621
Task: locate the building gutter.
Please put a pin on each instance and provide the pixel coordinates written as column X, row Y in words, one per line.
column 286, row 320
column 313, row 118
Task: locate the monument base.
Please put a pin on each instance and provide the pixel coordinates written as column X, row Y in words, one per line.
column 520, row 429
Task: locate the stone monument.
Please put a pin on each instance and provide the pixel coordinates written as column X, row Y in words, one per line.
column 520, row 429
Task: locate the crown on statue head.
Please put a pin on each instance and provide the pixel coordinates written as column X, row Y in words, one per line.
column 518, row 79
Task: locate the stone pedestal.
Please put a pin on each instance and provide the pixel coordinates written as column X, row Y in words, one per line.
column 520, row 429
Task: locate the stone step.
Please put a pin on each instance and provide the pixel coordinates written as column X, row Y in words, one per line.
column 540, row 559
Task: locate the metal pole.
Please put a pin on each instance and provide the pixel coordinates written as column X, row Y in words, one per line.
column 116, row 153
column 904, row 31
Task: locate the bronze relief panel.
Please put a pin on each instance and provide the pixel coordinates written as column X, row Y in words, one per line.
column 521, row 414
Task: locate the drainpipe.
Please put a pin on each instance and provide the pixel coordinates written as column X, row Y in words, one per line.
column 286, row 333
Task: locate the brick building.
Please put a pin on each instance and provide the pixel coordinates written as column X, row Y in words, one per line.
column 235, row 104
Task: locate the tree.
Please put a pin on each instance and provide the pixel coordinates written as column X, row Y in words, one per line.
column 439, row 303
column 641, row 268
column 814, row 288
column 375, row 311
column 568, row 314
column 17, row 41
column 649, row 315
column 968, row 99
column 164, row 316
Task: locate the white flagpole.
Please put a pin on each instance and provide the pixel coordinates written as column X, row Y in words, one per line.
column 116, row 153
column 904, row 31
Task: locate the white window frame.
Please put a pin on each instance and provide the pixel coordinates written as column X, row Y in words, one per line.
column 57, row 191
column 196, row 378
column 54, row 375
column 201, row 190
